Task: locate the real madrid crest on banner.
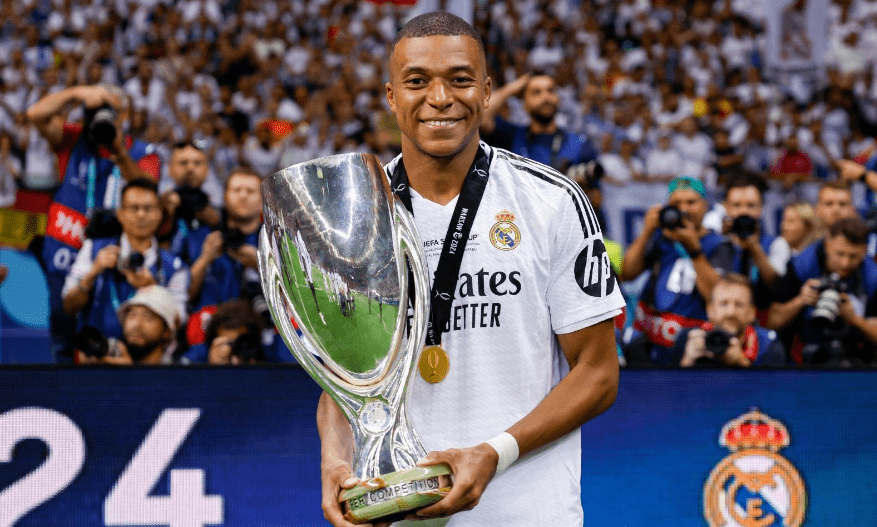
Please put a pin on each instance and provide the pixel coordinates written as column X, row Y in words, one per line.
column 754, row 486
column 505, row 235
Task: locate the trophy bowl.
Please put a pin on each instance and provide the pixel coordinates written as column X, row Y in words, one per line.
column 336, row 254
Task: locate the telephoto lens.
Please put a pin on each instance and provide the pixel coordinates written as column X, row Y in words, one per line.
column 744, row 226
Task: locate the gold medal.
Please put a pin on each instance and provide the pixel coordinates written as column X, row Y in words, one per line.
column 434, row 364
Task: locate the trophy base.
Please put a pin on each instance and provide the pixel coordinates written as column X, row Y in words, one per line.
column 391, row 497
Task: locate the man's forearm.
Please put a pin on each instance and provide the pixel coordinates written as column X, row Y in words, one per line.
column 336, row 437
column 868, row 326
column 706, row 276
column 128, row 168
column 782, row 314
column 77, row 298
column 635, row 257
column 197, row 273
column 588, row 390
column 766, row 269
column 50, row 105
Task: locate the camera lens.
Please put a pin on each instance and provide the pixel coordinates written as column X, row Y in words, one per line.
column 103, row 126
column 670, row 217
column 136, row 260
column 717, row 341
column 233, row 238
column 744, row 226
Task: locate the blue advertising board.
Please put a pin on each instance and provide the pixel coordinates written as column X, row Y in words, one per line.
column 238, row 447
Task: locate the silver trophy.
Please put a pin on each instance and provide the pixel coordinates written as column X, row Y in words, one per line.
column 334, row 257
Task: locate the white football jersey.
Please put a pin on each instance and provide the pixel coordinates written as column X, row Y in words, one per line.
column 534, row 266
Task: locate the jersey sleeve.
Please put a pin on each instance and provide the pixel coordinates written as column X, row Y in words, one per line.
column 583, row 289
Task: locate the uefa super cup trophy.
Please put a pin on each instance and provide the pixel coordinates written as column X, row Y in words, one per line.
column 334, row 256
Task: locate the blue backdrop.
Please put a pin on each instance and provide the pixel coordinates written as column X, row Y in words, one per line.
column 250, row 434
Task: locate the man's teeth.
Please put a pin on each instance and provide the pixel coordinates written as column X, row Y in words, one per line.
column 440, row 123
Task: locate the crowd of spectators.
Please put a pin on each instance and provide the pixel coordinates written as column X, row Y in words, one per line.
column 208, row 89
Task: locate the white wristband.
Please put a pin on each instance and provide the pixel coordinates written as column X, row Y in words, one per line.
column 507, row 447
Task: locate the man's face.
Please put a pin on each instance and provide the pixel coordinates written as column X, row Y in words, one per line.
column 540, row 99
column 243, row 201
column 142, row 327
column 140, row 213
column 731, row 308
column 188, row 166
column 834, row 204
column 438, row 91
column 690, row 203
column 743, row 201
column 842, row 256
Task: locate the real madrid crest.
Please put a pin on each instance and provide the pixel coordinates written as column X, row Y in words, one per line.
column 505, row 235
column 754, row 486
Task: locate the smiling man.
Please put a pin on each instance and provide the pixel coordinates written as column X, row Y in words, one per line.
column 526, row 328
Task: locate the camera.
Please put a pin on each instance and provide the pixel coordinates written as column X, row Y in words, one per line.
column 670, row 217
column 134, row 261
column 588, row 175
column 717, row 341
column 102, row 127
column 91, row 342
column 828, row 305
column 192, row 201
column 233, row 238
column 248, row 347
column 103, row 224
column 744, row 226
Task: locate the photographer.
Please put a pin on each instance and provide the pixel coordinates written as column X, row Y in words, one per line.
column 542, row 140
column 827, row 305
column 731, row 336
column 233, row 336
column 108, row 271
column 186, row 205
column 685, row 259
column 93, row 159
column 761, row 257
column 224, row 260
column 149, row 322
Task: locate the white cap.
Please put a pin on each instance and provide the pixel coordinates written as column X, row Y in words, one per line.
column 159, row 300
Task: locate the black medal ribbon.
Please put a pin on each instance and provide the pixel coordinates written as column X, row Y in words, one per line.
column 447, row 273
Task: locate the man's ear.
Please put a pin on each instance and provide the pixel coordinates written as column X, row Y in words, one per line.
column 488, row 91
column 390, row 100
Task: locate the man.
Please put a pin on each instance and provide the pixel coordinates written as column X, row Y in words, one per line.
column 223, row 260
column 548, row 284
column 686, row 260
column 233, row 336
column 92, row 167
column 542, row 140
column 109, row 271
column 149, row 322
column 186, row 204
column 762, row 257
column 839, row 328
column 834, row 202
column 731, row 336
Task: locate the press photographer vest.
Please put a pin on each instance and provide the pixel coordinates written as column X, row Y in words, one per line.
column 111, row 289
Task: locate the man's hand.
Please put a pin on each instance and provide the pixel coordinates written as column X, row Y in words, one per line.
column 170, row 200
column 688, row 235
column 473, row 469
column 139, row 278
column 247, row 255
column 695, row 347
column 336, row 479
column 220, row 350
column 652, row 219
column 809, row 293
column 849, row 170
column 847, row 311
column 212, row 247
column 96, row 96
column 734, row 356
column 107, row 258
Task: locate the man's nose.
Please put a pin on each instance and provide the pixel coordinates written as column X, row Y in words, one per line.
column 439, row 96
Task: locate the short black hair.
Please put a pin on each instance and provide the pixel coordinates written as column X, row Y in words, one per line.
column 439, row 23
column 746, row 179
column 855, row 230
column 145, row 184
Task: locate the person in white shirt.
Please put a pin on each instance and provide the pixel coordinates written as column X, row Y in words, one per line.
column 663, row 163
column 542, row 360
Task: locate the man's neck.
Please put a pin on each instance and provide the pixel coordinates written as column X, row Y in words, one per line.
column 245, row 225
column 140, row 245
column 543, row 128
column 438, row 179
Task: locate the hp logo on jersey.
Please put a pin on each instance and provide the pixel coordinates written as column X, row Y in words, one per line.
column 593, row 270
